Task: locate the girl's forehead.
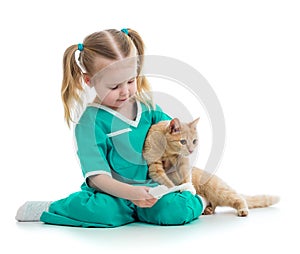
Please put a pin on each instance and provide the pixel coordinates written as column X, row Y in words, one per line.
column 116, row 72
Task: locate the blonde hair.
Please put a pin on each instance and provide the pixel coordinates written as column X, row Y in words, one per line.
column 111, row 44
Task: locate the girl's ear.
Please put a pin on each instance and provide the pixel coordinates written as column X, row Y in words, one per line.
column 87, row 79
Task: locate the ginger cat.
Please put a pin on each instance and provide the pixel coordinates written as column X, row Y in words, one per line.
column 167, row 148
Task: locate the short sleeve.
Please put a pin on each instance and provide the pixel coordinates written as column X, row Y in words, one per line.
column 91, row 144
column 159, row 115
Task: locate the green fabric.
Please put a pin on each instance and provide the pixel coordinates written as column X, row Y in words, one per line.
column 88, row 209
column 109, row 143
column 176, row 208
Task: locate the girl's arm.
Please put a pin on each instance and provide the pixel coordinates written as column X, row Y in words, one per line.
column 137, row 194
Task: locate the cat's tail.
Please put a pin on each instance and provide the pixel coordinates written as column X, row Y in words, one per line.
column 261, row 200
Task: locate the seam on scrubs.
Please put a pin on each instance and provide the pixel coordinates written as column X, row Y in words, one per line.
column 116, row 133
column 133, row 123
column 97, row 172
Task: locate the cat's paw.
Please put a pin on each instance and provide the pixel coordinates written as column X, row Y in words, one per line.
column 208, row 210
column 188, row 187
column 243, row 212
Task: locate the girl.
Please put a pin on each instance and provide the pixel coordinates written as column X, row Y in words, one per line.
column 110, row 135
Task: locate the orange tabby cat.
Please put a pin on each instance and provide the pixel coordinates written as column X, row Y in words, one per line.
column 167, row 149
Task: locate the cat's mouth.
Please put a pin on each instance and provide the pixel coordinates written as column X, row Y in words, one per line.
column 187, row 152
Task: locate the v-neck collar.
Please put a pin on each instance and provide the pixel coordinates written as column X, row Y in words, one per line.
column 133, row 123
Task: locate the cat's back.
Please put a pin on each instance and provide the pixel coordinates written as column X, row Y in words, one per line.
column 160, row 126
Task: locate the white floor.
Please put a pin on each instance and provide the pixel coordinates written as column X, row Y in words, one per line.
column 264, row 231
column 247, row 50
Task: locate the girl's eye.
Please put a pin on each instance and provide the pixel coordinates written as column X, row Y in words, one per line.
column 195, row 141
column 131, row 81
column 114, row 88
column 183, row 141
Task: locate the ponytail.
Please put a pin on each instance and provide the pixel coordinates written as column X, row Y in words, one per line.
column 109, row 44
column 71, row 84
column 143, row 86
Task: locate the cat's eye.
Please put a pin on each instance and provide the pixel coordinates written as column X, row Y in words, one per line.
column 195, row 141
column 183, row 141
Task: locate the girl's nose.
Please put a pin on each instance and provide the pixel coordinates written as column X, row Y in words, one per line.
column 124, row 89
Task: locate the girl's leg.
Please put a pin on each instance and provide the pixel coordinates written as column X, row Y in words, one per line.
column 82, row 209
column 175, row 208
column 90, row 209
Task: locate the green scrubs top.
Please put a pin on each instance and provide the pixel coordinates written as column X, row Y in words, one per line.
column 109, row 143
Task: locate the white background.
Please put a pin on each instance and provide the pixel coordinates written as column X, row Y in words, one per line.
column 247, row 50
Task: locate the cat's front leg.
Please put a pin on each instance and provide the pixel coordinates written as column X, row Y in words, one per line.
column 184, row 169
column 158, row 174
column 209, row 209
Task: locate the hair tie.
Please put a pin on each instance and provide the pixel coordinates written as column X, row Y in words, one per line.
column 125, row 31
column 80, row 46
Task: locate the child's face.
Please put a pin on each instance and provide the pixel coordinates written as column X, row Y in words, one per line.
column 116, row 83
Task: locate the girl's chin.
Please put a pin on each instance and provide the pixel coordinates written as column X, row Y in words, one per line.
column 120, row 103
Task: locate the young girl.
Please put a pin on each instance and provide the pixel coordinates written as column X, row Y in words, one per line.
column 110, row 135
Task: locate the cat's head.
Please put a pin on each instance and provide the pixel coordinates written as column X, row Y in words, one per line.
column 182, row 138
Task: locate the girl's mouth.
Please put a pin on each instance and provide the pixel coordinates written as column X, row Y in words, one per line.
column 122, row 100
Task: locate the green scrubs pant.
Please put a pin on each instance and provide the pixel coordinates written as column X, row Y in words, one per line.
column 96, row 209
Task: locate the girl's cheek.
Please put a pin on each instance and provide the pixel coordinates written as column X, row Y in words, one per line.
column 102, row 93
column 134, row 88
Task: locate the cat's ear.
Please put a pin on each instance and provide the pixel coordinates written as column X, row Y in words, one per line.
column 194, row 123
column 174, row 126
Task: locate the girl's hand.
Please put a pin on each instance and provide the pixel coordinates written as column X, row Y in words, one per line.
column 143, row 198
column 139, row 195
column 144, row 203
